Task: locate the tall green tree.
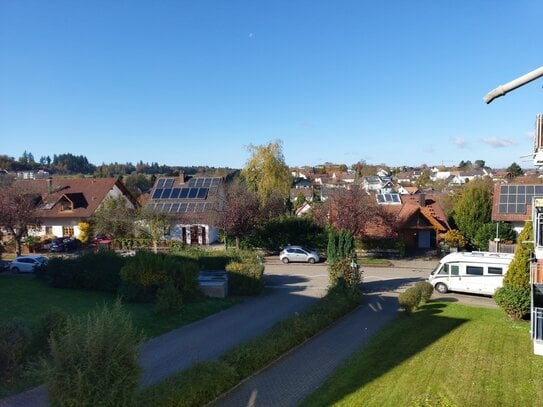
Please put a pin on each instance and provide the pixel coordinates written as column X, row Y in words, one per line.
column 116, row 217
column 514, row 296
column 473, row 207
column 518, row 273
column 266, row 172
column 152, row 223
column 515, row 170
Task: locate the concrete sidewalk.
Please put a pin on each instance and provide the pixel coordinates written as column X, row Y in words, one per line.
column 292, row 378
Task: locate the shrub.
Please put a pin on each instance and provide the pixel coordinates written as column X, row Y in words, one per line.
column 95, row 361
column 90, row 271
column 410, row 300
column 515, row 301
column 15, row 338
column 341, row 272
column 455, row 238
column 282, row 231
column 168, row 300
column 53, row 323
column 146, row 272
column 245, row 278
column 426, row 289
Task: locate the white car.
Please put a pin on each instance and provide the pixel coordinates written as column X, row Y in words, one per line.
column 27, row 264
column 298, row 254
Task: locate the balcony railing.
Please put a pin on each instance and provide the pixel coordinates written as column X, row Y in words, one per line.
column 537, row 324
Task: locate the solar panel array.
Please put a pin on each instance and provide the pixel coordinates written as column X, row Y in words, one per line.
column 180, row 193
column 181, row 207
column 388, row 199
column 204, row 182
column 165, row 182
column 514, row 198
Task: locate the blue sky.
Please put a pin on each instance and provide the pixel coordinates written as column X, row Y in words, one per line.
column 195, row 82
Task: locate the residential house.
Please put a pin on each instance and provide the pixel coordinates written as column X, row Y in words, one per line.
column 512, row 203
column 62, row 203
column 191, row 205
column 420, row 221
column 307, row 193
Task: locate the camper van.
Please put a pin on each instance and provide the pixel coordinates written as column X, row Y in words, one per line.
column 471, row 272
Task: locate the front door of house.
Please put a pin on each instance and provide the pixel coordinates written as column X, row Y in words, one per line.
column 424, row 239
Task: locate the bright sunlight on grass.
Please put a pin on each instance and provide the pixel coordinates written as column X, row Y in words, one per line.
column 444, row 354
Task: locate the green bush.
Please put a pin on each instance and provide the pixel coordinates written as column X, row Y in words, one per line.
column 15, row 337
column 245, row 278
column 146, row 272
column 168, row 300
column 293, row 230
column 90, row 271
column 426, row 289
column 515, row 301
column 53, row 322
column 341, row 272
column 95, row 361
column 410, row 299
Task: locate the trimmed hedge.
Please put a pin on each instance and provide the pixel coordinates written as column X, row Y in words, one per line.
column 411, row 298
column 204, row 381
column 245, row 278
column 90, row 271
column 146, row 272
column 515, row 301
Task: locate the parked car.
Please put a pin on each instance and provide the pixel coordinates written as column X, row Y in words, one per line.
column 298, row 254
column 27, row 264
column 4, row 265
column 64, row 244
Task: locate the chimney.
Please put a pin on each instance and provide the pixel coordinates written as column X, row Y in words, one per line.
column 181, row 177
column 49, row 182
column 422, row 200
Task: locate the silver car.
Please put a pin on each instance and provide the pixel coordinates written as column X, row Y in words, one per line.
column 298, row 254
column 27, row 264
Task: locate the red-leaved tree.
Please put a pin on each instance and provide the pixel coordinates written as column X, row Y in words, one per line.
column 17, row 212
column 239, row 211
column 355, row 211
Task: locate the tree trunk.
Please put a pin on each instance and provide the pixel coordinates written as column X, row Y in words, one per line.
column 237, row 242
column 18, row 245
column 155, row 246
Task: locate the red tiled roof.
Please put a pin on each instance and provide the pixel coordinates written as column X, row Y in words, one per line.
column 86, row 194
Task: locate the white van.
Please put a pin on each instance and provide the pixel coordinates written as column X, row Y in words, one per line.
column 471, row 272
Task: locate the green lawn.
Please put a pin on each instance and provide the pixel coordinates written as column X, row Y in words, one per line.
column 373, row 262
column 444, row 355
column 27, row 298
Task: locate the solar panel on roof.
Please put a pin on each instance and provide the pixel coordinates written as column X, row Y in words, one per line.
column 168, row 182
column 183, row 207
column 175, row 207
column 175, row 193
column 166, row 193
column 157, row 193
column 202, row 193
column 184, row 193
column 160, row 183
column 380, row 198
column 192, row 193
column 396, row 198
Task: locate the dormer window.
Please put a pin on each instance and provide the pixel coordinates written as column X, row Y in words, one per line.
column 66, row 205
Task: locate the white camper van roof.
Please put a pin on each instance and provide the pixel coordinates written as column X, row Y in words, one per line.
column 478, row 257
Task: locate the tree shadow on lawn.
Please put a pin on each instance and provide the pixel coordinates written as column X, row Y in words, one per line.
column 393, row 345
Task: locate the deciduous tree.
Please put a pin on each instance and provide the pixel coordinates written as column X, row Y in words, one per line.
column 473, row 207
column 515, row 170
column 266, row 172
column 17, row 212
column 239, row 211
column 152, row 223
column 115, row 217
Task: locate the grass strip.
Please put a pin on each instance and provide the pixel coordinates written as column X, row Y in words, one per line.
column 445, row 354
column 205, row 381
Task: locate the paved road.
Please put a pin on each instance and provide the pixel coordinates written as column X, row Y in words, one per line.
column 292, row 378
column 290, row 288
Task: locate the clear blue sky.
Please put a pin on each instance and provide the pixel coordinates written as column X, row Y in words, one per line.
column 195, row 82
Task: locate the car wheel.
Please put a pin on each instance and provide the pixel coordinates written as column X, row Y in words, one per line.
column 441, row 288
column 285, row 260
column 15, row 270
column 311, row 260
